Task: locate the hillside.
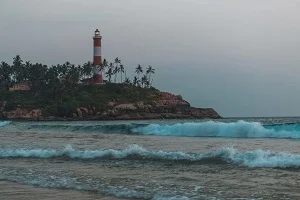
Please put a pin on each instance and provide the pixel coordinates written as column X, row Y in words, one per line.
column 66, row 92
column 98, row 102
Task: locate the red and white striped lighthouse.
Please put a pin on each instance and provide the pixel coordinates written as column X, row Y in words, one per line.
column 98, row 72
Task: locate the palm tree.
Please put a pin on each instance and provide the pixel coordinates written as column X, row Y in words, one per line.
column 105, row 65
column 73, row 75
column 111, row 66
column 26, row 69
column 147, row 84
column 109, row 73
column 144, row 80
column 139, row 70
column 17, row 68
column 127, row 81
column 150, row 70
column 5, row 74
column 87, row 69
column 122, row 70
column 135, row 81
column 101, row 68
column 116, row 71
column 117, row 61
column 36, row 78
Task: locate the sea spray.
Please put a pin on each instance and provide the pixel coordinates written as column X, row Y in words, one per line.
column 240, row 129
column 255, row 158
column 4, row 123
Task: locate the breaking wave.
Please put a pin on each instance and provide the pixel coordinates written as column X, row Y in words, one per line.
column 230, row 155
column 4, row 123
column 240, row 129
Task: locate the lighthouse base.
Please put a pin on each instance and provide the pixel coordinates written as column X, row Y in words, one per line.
column 96, row 79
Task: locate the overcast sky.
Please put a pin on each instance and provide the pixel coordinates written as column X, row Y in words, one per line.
column 240, row 57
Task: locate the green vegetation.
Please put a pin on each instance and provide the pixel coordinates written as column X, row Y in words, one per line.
column 60, row 89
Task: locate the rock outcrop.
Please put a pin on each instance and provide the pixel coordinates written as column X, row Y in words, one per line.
column 167, row 106
column 35, row 114
column 163, row 106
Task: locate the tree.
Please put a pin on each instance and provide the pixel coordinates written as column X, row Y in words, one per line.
column 139, row 70
column 122, row 70
column 5, row 74
column 105, row 65
column 87, row 69
column 144, row 80
column 26, row 70
column 36, row 78
column 17, row 69
column 73, row 75
column 52, row 80
column 135, row 81
column 109, row 73
column 117, row 68
column 150, row 71
column 127, row 81
column 116, row 71
column 117, row 61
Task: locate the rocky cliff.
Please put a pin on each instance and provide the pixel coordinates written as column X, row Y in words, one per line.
column 166, row 106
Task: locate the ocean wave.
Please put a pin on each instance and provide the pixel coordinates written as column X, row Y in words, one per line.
column 240, row 129
column 4, row 123
column 31, row 177
column 65, row 182
column 230, row 155
column 93, row 128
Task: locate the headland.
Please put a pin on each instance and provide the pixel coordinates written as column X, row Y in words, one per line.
column 102, row 102
column 67, row 92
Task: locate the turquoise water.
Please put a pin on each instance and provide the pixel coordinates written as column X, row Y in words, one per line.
column 156, row 159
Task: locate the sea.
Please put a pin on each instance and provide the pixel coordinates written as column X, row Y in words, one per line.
column 238, row 159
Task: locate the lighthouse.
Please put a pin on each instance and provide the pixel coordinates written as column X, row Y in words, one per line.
column 97, row 70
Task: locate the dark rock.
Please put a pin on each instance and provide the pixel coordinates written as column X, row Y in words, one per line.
column 164, row 105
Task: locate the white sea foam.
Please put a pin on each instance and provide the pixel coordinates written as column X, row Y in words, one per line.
column 240, row 129
column 126, row 193
column 256, row 158
column 164, row 197
column 4, row 123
